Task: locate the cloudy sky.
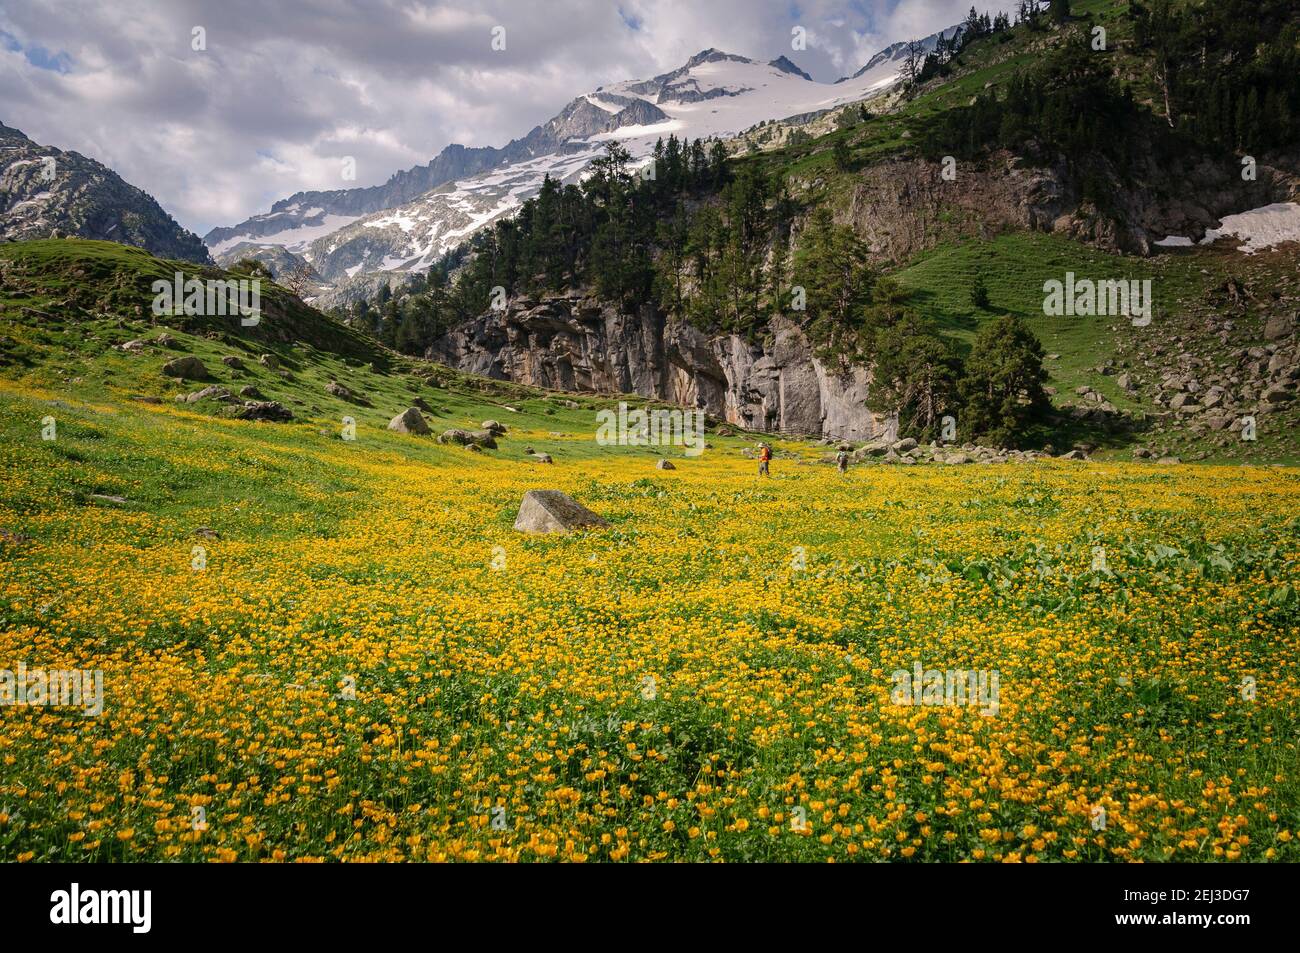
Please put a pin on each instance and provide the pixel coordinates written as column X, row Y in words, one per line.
column 284, row 90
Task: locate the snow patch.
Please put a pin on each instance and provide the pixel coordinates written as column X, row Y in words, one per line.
column 294, row 239
column 1260, row 228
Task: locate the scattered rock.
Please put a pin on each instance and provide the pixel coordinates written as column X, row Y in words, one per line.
column 338, row 390
column 248, row 390
column 215, row 392
column 494, row 427
column 268, row 410
column 187, row 368
column 1279, row 326
column 207, row 532
column 543, row 458
column 233, row 362
column 467, row 437
column 664, row 465
column 269, row 360
column 106, row 498
column 409, row 421
column 1277, row 394
column 550, row 511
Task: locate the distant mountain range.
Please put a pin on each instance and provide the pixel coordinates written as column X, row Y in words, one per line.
column 44, row 191
column 406, row 224
column 343, row 236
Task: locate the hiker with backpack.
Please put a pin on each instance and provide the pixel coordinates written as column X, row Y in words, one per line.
column 764, row 458
column 842, row 461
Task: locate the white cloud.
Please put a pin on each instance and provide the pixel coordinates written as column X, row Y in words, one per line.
column 285, row 90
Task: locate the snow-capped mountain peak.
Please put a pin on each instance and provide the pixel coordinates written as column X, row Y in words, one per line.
column 714, row 94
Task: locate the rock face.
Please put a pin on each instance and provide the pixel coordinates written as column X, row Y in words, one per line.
column 550, row 511
column 902, row 207
column 575, row 343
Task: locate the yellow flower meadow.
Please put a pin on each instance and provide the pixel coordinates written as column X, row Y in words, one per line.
column 711, row 678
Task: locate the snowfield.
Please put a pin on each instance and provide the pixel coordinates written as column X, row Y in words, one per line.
column 1260, row 228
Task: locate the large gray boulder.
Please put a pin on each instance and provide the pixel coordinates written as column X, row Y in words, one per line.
column 550, row 511
column 409, row 421
column 188, row 368
column 1279, row 326
column 468, row 438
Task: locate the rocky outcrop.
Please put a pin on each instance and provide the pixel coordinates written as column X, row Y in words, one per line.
column 46, row 192
column 904, row 206
column 575, row 343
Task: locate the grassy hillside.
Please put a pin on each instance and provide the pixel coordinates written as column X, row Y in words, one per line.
column 1185, row 285
column 67, row 306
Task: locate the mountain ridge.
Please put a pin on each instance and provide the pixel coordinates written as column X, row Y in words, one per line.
column 46, row 191
column 347, row 233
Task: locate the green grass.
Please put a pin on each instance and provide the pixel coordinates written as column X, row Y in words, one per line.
column 69, row 303
column 1015, row 266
